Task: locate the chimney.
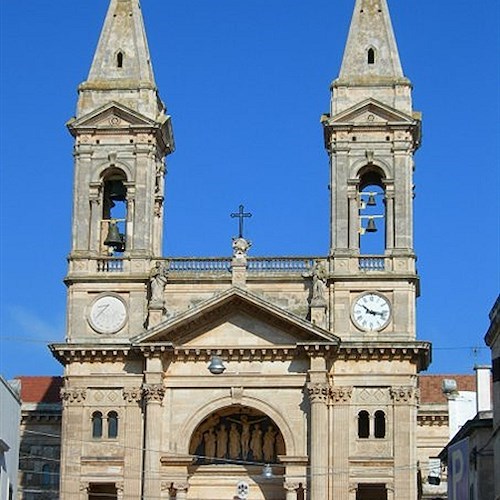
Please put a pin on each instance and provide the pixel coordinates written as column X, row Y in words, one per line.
column 483, row 388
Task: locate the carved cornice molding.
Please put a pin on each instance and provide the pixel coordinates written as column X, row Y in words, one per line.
column 404, row 394
column 318, row 392
column 153, row 393
column 72, row 395
column 432, row 420
column 341, row 394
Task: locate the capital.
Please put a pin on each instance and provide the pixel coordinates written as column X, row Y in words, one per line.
column 318, row 392
column 341, row 394
column 404, row 394
column 153, row 392
column 132, row 394
column 73, row 395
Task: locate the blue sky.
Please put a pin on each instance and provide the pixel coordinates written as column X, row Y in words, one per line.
column 246, row 83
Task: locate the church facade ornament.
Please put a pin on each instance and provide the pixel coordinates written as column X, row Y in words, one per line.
column 341, row 394
column 153, row 393
column 73, row 395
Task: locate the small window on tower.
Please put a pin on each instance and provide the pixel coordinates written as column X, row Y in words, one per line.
column 363, row 424
column 371, row 56
column 119, row 60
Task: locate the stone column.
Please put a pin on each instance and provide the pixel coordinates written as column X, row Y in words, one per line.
column 291, row 490
column 404, row 423
column 73, row 437
column 133, row 428
column 341, row 398
column 153, row 397
column 389, row 219
column 354, row 221
column 319, row 443
column 181, row 491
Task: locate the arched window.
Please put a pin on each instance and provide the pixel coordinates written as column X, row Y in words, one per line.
column 379, row 424
column 372, row 212
column 114, row 211
column 97, row 424
column 363, row 424
column 46, row 475
column 371, row 56
column 112, row 424
column 119, row 60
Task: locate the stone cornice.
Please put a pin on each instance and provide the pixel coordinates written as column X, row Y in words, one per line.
column 415, row 352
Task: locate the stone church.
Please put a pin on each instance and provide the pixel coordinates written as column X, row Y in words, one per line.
column 241, row 377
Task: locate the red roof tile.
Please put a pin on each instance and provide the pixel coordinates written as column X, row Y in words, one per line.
column 40, row 389
column 430, row 386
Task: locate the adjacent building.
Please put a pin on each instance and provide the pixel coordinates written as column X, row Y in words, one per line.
column 241, row 376
column 10, row 416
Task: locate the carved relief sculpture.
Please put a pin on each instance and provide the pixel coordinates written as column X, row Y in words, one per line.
column 157, row 282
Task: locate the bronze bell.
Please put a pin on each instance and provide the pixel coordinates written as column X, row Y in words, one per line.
column 370, row 227
column 371, row 201
column 114, row 238
column 115, row 190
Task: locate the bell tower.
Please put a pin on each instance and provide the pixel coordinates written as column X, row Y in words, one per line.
column 371, row 135
column 122, row 136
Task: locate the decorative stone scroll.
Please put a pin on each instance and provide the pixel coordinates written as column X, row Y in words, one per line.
column 341, row 394
column 132, row 394
column 153, row 392
column 73, row 395
column 318, row 392
column 404, row 394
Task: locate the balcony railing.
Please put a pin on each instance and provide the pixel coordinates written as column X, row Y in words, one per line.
column 280, row 264
column 196, row 265
column 371, row 263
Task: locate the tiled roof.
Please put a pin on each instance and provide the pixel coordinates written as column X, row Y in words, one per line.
column 40, row 389
column 430, row 386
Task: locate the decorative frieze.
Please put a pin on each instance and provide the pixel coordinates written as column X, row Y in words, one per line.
column 341, row 394
column 73, row 395
column 153, row 392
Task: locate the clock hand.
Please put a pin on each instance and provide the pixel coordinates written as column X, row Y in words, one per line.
column 102, row 309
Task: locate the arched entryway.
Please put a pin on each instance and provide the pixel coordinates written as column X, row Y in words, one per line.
column 231, row 448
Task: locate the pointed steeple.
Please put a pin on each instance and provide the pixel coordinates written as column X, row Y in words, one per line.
column 121, row 69
column 371, row 59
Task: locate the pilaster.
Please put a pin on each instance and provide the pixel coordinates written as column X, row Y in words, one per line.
column 340, row 400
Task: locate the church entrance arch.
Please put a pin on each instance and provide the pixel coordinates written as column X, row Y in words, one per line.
column 232, row 447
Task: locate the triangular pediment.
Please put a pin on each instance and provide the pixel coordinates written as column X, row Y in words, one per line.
column 111, row 115
column 371, row 112
column 236, row 318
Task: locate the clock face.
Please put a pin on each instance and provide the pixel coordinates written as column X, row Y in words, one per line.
column 108, row 314
column 371, row 312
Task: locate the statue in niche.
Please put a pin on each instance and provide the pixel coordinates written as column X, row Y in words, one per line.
column 157, row 282
column 234, row 442
column 256, row 443
column 269, row 441
column 210, row 443
column 318, row 276
column 221, row 441
column 245, row 436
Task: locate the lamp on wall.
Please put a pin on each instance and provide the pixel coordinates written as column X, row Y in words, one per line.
column 216, row 366
column 267, row 472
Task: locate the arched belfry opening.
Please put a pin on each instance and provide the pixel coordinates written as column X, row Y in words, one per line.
column 114, row 211
column 372, row 211
column 237, row 435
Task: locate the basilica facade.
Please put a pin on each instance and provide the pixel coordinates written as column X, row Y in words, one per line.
column 241, row 377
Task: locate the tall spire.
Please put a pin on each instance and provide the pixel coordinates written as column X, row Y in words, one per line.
column 121, row 69
column 371, row 66
column 371, row 52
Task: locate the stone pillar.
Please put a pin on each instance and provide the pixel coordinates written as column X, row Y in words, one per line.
column 354, row 221
column 73, row 436
column 153, row 397
column 181, row 491
column 389, row 219
column 291, row 490
column 404, row 424
column 318, row 395
column 133, row 428
column 341, row 398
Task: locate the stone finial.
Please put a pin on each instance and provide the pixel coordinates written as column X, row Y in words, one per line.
column 240, row 248
column 239, row 263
